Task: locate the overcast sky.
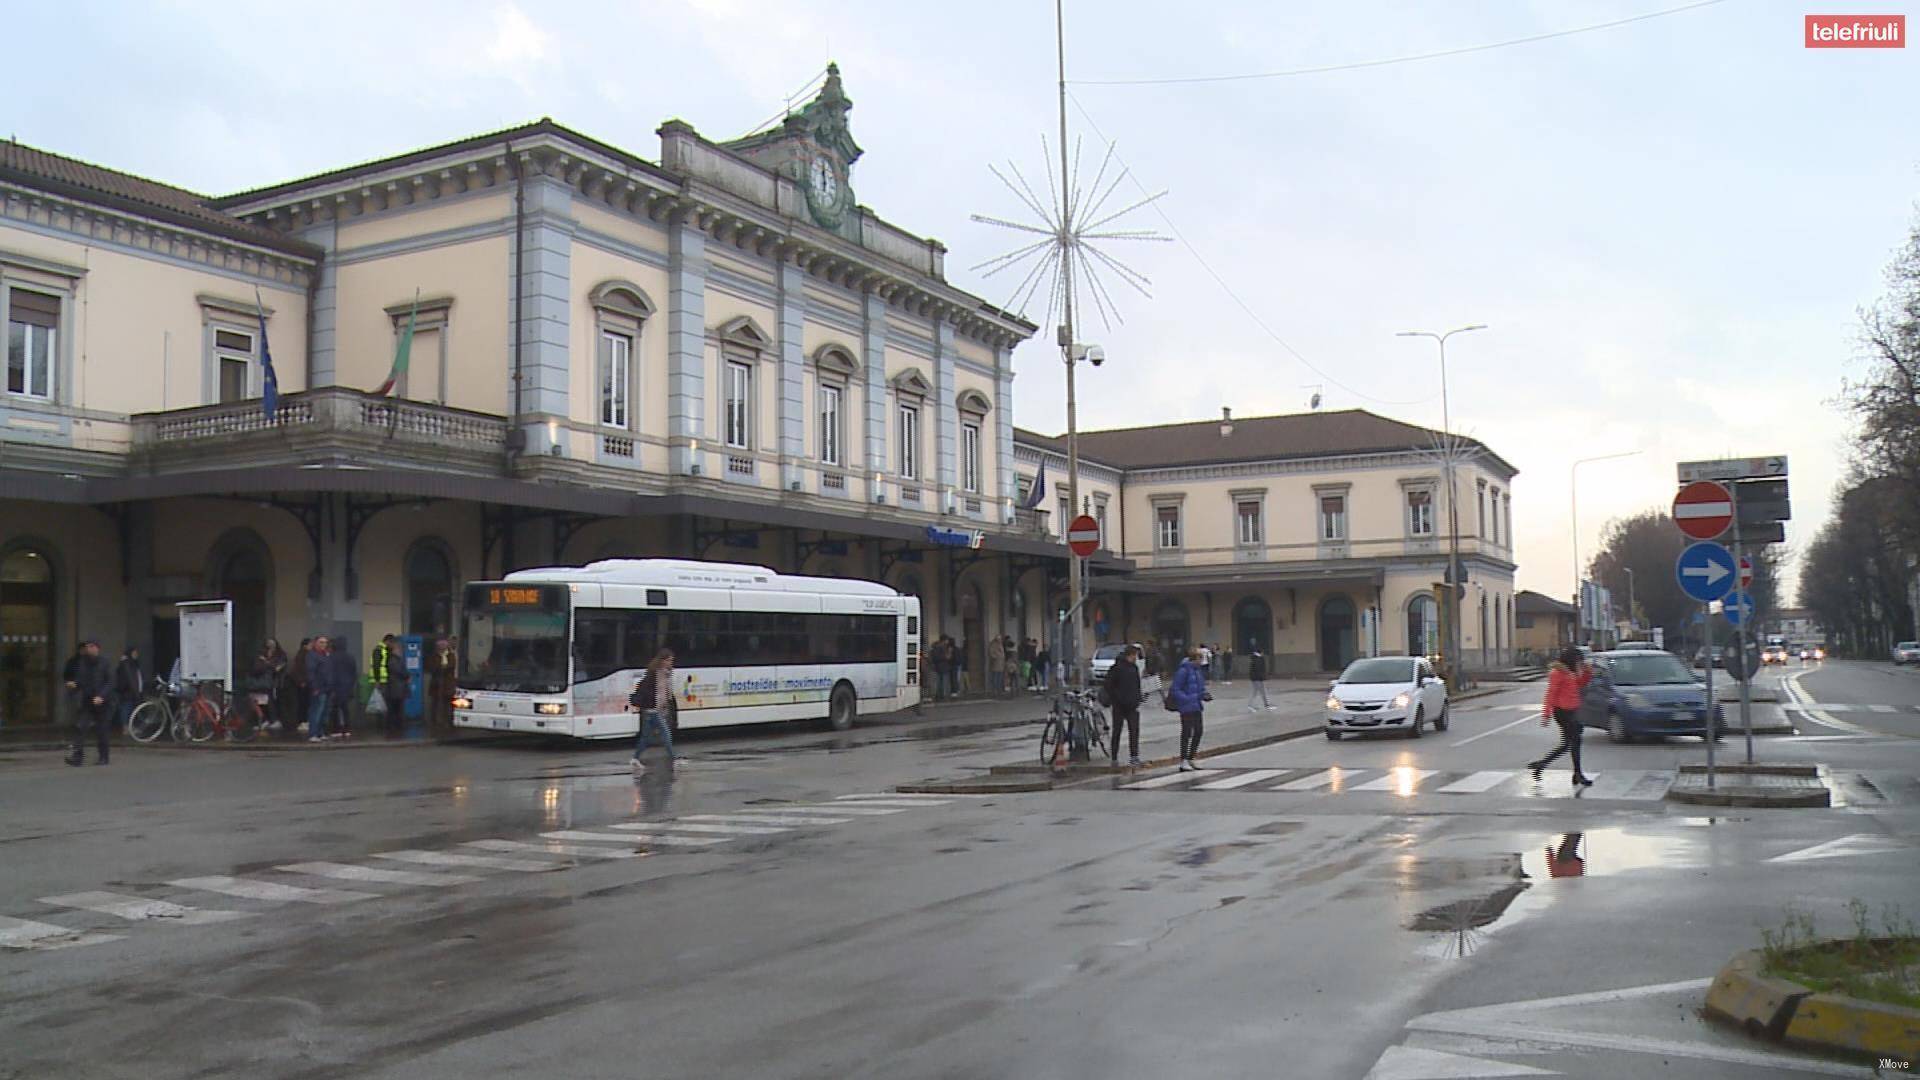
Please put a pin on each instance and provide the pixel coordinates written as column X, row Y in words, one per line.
column 1666, row 225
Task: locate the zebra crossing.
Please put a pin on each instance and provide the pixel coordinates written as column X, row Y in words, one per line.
column 211, row 899
column 1404, row 780
column 1785, row 706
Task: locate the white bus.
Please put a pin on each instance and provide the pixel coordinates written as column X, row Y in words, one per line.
column 556, row 651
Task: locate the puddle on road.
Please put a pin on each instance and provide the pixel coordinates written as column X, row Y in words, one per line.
column 1602, row 852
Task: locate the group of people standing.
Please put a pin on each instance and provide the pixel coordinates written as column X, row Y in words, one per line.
column 1187, row 695
column 947, row 662
column 1012, row 666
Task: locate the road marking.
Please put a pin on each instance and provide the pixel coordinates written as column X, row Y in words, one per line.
column 1308, row 783
column 485, row 862
column 1846, row 846
column 1632, row 1044
column 1251, row 777
column 891, row 805
column 1401, row 778
column 1551, row 788
column 1417, row 1063
column 1614, row 785
column 349, row 872
column 137, row 908
column 724, row 830
column 552, row 847
column 1478, row 782
column 1493, row 731
column 836, row 809
column 639, row 827
column 271, row 891
column 930, row 796
column 1817, row 714
column 27, row 934
column 583, row 836
column 1884, row 708
column 770, row 819
column 1172, row 778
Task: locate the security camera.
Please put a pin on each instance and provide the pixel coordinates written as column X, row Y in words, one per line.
column 1096, row 355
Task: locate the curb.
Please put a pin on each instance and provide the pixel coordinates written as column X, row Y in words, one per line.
column 963, row 787
column 1785, row 1011
column 1757, row 769
column 1759, row 798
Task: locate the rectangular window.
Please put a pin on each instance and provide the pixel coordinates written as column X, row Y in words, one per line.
column 830, row 425
column 33, row 329
column 1064, row 516
column 1483, row 511
column 739, row 405
column 970, row 458
column 1420, row 513
column 1166, row 527
column 1333, row 517
column 1247, row 518
column 233, row 357
column 1100, row 521
column 616, row 379
column 1496, row 517
column 910, row 441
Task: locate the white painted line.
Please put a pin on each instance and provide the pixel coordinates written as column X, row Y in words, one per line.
column 349, row 872
column 1614, row 785
column 1884, row 708
column 271, row 891
column 1417, row 1063
column 1559, row 785
column 582, row 836
column 550, row 847
column 723, row 830
column 1308, row 783
column 837, row 809
column 768, row 819
column 1589, row 997
column 27, row 934
column 1498, row 730
column 1251, row 777
column 137, row 908
column 1171, row 779
column 891, row 804
column 1475, row 783
column 1846, row 846
column 646, row 827
column 483, row 862
column 932, row 796
column 1632, row 1044
column 1400, row 778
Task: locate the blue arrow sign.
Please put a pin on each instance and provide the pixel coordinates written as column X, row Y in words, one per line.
column 1738, row 606
column 1706, row 571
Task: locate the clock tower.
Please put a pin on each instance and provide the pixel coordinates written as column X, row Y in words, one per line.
column 813, row 148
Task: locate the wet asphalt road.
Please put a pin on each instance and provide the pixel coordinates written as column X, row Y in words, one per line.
column 1394, row 924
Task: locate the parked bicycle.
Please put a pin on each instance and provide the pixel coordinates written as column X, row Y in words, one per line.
column 180, row 711
column 1074, row 710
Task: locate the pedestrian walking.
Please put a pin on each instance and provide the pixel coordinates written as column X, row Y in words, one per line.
column 129, row 685
column 1012, row 649
column 1188, row 696
column 387, row 674
column 266, row 674
column 90, row 689
column 1043, row 665
column 652, row 697
column 1123, row 692
column 442, row 670
column 319, row 672
column 996, row 665
column 1566, row 678
column 1206, row 661
column 1226, row 666
column 1257, row 675
column 1026, row 664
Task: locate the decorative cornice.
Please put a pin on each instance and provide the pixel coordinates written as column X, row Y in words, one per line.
column 140, row 234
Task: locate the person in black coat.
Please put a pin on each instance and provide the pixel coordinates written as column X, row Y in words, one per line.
column 1257, row 674
column 90, row 688
column 1123, row 690
column 129, row 685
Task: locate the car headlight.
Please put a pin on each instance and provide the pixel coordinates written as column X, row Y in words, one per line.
column 463, row 703
column 1333, row 703
column 1639, row 701
column 550, row 708
column 1402, row 700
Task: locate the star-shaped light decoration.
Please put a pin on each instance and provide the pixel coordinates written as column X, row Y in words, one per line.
column 1073, row 222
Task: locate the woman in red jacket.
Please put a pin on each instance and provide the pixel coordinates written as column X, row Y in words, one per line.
column 1566, row 678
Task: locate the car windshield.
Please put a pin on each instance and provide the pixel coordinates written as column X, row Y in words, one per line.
column 1382, row 669
column 1908, row 645
column 1653, row 669
column 1109, row 652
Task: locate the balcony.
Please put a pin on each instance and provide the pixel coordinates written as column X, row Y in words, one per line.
column 333, row 422
column 1030, row 523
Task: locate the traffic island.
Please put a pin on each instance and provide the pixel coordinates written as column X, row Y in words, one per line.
column 1752, row 785
column 1857, row 997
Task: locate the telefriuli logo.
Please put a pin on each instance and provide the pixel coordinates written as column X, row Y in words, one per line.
column 1856, row 31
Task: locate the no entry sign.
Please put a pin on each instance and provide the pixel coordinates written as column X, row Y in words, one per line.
column 1703, row 509
column 1083, row 535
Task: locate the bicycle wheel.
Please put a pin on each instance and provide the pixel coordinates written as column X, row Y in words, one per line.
column 201, row 720
column 1098, row 732
column 1053, row 743
column 148, row 720
column 242, row 721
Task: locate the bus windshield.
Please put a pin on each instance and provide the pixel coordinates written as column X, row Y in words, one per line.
column 514, row 638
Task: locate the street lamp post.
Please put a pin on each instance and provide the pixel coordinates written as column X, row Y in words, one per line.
column 1453, row 576
column 1633, row 617
column 1573, row 515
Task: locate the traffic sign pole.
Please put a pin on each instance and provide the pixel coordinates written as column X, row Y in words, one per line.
column 1707, row 621
column 1744, row 629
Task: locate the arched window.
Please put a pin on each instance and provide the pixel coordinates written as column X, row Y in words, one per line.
column 1423, row 625
column 428, row 589
column 1252, row 626
column 26, row 637
column 1339, row 640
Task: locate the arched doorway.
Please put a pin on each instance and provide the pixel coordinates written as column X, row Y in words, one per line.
column 1337, row 633
column 1171, row 631
column 427, row 590
column 243, row 573
column 1252, row 626
column 1423, row 625
column 26, row 637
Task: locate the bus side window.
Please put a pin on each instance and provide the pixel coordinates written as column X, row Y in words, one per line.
column 641, row 641
column 596, row 644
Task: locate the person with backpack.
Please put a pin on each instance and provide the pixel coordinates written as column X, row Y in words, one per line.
column 652, row 698
column 1187, row 696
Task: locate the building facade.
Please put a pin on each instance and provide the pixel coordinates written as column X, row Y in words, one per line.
column 1542, row 625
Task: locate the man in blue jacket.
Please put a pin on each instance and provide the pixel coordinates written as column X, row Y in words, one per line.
column 1188, row 695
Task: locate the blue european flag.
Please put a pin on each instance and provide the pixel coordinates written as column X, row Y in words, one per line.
column 269, row 382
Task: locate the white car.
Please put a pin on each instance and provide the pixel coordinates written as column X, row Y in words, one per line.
column 1387, row 693
column 1907, row 652
column 1105, row 655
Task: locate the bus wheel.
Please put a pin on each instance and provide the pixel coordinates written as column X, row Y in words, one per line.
column 840, row 708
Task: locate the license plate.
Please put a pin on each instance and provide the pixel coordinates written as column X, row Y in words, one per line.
column 503, row 724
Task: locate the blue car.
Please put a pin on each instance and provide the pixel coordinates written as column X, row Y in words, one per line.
column 1641, row 694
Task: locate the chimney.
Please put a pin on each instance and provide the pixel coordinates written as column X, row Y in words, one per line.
column 1226, row 421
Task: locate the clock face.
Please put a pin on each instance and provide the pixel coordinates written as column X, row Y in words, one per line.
column 824, row 181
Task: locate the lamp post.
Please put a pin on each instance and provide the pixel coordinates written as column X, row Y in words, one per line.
column 1573, row 516
column 1633, row 618
column 1452, row 629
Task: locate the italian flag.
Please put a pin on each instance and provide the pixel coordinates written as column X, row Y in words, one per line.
column 403, row 352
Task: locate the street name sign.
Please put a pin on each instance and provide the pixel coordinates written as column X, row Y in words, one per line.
column 1737, row 607
column 1083, row 535
column 1703, row 509
column 1733, row 469
column 1705, row 571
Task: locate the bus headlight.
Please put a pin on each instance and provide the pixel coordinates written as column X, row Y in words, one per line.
column 550, row 708
column 463, row 703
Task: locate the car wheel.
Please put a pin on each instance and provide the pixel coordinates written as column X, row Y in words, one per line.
column 1418, row 719
column 840, row 708
column 1333, row 736
column 1443, row 721
column 1617, row 729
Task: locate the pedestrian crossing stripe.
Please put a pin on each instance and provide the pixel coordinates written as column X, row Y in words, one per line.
column 1626, row 784
column 1787, row 706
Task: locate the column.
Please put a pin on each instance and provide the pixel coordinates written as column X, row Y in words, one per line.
column 946, row 428
column 1003, row 430
column 322, row 366
column 873, row 358
column 686, row 346
column 545, row 310
column 791, row 286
